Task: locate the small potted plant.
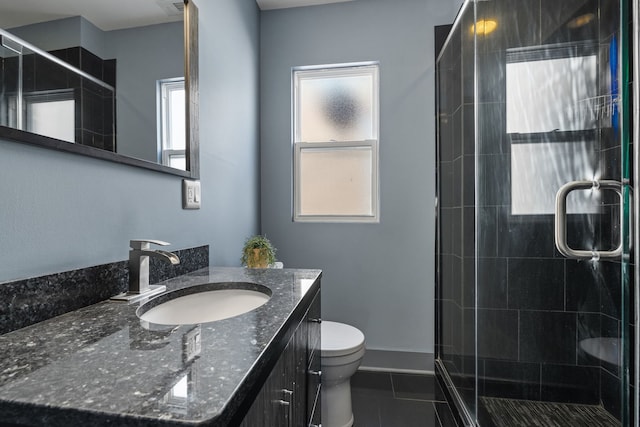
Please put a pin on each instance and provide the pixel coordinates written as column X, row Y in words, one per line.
column 258, row 252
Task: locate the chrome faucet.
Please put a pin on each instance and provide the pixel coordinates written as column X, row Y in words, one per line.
column 139, row 254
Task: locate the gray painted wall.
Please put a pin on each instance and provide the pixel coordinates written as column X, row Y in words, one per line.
column 377, row 277
column 51, row 35
column 93, row 39
column 64, row 33
column 62, row 211
column 143, row 56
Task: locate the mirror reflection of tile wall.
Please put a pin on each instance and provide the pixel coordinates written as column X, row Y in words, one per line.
column 45, row 85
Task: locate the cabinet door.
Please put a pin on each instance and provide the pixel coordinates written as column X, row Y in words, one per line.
column 271, row 408
column 297, row 374
column 313, row 362
column 313, row 390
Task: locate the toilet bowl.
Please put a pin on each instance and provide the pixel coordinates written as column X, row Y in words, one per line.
column 342, row 349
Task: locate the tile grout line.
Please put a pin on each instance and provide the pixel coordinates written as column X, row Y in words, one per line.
column 435, row 409
column 396, row 398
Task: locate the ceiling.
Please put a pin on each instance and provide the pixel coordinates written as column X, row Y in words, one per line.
column 281, row 4
column 113, row 14
column 106, row 15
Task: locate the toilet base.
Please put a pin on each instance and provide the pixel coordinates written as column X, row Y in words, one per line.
column 349, row 424
column 336, row 404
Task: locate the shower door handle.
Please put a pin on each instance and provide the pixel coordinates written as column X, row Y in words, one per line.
column 561, row 219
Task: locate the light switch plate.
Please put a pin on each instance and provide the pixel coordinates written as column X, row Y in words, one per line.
column 190, row 194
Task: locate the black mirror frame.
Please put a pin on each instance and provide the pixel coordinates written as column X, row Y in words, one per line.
column 191, row 86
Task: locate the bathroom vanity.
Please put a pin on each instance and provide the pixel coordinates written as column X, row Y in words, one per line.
column 103, row 365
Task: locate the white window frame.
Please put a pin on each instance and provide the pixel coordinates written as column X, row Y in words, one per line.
column 164, row 89
column 338, row 70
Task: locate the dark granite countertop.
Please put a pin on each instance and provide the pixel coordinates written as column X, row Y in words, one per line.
column 100, row 365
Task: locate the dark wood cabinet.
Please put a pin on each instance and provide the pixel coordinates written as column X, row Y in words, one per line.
column 313, row 364
column 290, row 397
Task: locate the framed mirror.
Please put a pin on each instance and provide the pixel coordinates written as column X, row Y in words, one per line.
column 103, row 79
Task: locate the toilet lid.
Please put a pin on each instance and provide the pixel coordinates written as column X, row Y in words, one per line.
column 339, row 339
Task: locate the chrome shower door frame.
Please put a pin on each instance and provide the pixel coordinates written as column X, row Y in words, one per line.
column 636, row 203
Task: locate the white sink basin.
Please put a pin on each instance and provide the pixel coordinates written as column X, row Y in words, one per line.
column 204, row 303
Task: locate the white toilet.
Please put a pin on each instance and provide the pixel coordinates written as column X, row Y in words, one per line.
column 342, row 351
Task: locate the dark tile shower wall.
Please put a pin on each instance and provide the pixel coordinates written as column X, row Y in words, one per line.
column 534, row 307
column 95, row 106
column 552, row 303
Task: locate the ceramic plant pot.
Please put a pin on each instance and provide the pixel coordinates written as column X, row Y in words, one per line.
column 258, row 259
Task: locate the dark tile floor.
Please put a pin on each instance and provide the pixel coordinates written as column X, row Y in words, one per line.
column 382, row 399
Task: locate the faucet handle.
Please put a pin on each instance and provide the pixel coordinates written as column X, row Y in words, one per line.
column 145, row 243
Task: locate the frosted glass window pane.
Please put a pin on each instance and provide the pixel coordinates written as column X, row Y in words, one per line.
column 336, row 181
column 554, row 94
column 52, row 118
column 539, row 170
column 336, row 108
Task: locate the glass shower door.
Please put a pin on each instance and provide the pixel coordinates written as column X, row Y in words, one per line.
column 455, row 290
column 552, row 330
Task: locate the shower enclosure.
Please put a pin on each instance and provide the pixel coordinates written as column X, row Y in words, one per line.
column 535, row 284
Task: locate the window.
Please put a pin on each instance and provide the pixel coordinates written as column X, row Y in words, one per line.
column 335, row 142
column 171, row 123
column 552, row 111
column 48, row 113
